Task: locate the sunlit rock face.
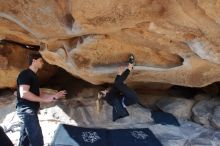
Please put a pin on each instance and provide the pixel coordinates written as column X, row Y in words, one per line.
column 174, row 41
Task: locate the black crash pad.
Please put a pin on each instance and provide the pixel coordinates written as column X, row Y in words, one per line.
column 67, row 135
column 164, row 118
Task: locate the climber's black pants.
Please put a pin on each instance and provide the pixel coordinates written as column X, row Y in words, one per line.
column 130, row 97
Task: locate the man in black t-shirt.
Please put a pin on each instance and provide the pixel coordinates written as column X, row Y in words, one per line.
column 28, row 102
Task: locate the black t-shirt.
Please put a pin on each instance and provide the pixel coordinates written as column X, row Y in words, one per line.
column 28, row 77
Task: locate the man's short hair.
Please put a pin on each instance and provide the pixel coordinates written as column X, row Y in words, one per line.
column 33, row 55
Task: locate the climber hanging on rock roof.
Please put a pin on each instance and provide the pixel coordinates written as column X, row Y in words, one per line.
column 119, row 96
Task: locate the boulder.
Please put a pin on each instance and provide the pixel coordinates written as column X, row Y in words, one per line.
column 203, row 111
column 215, row 119
column 179, row 107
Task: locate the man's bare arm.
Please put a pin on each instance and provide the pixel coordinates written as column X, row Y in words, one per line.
column 26, row 94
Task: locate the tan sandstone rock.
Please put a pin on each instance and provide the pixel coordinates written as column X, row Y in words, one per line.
column 174, row 41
